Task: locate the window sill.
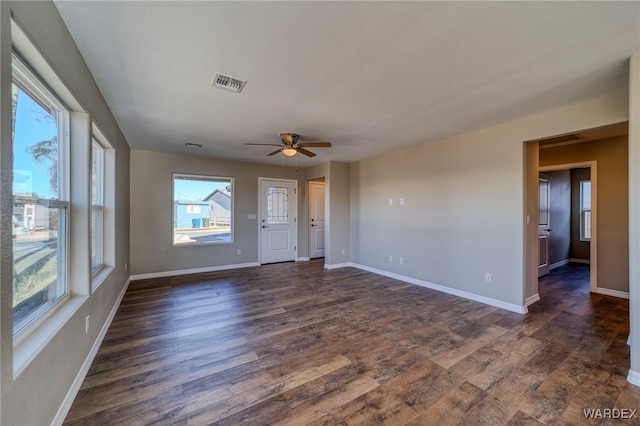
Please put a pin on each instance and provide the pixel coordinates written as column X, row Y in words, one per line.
column 30, row 346
column 100, row 276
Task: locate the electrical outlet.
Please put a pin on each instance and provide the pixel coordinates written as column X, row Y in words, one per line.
column 86, row 324
column 401, row 260
column 126, row 267
column 238, row 252
column 390, row 201
column 390, row 258
column 402, row 201
column 487, row 278
column 344, row 251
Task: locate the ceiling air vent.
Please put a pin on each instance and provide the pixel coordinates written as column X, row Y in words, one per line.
column 193, row 145
column 228, row 83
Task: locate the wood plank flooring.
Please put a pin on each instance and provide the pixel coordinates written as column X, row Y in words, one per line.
column 294, row 344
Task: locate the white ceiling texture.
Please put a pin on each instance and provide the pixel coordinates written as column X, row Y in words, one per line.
column 371, row 77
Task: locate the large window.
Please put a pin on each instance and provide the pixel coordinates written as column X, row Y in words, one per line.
column 40, row 198
column 585, row 210
column 202, row 209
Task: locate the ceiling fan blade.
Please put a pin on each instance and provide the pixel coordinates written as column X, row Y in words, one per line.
column 305, row 152
column 264, row 144
column 315, row 144
column 274, row 152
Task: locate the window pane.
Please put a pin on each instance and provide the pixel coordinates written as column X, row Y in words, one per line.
column 39, row 221
column 35, row 147
column 585, row 210
column 201, row 209
column 97, row 206
column 96, row 238
column 38, row 262
column 277, row 205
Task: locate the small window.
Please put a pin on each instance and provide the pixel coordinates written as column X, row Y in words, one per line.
column 202, row 209
column 102, row 205
column 40, row 199
column 585, row 210
column 97, row 206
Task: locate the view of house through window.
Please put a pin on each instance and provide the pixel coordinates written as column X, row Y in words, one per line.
column 39, row 217
column 585, row 210
column 202, row 209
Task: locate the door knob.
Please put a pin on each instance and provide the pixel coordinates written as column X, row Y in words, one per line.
column 313, row 224
column 264, row 226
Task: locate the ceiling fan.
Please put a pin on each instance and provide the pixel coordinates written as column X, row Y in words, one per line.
column 290, row 145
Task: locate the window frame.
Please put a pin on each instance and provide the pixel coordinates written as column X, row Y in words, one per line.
column 107, row 198
column 34, row 87
column 97, row 206
column 202, row 177
column 585, row 213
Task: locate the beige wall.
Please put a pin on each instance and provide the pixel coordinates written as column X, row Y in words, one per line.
column 337, row 209
column 34, row 397
column 464, row 212
column 612, row 208
column 151, row 229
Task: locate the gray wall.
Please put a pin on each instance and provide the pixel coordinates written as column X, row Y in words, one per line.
column 34, row 397
column 612, row 203
column 560, row 214
column 466, row 204
column 579, row 249
column 151, row 233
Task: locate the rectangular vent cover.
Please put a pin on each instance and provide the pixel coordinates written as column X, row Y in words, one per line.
column 228, row 83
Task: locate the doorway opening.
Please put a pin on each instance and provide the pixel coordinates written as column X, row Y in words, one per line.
column 588, row 160
column 567, row 229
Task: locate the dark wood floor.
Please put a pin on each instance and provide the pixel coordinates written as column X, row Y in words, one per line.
column 295, row 344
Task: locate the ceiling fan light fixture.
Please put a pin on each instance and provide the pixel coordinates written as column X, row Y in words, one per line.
column 289, row 152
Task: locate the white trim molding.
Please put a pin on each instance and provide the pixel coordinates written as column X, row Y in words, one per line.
column 559, row 264
column 634, row 378
column 460, row 293
column 614, row 293
column 192, row 271
column 77, row 382
column 338, row 265
column 532, row 299
column 583, row 261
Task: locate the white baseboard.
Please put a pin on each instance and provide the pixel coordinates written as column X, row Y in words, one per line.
column 192, row 271
column 77, row 382
column 532, row 299
column 634, row 377
column 302, row 259
column 460, row 293
column 337, row 265
column 614, row 293
column 584, row 261
column 559, row 264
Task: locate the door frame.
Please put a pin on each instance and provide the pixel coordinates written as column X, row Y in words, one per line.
column 295, row 218
column 593, row 243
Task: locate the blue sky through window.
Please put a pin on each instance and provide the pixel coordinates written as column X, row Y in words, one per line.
column 33, row 124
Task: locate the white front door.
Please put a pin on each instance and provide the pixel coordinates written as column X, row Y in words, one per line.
column 316, row 219
column 543, row 227
column 278, row 220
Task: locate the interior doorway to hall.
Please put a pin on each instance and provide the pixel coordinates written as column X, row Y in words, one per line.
column 566, row 228
column 582, row 189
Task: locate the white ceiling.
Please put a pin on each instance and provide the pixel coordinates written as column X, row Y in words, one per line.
column 370, row 77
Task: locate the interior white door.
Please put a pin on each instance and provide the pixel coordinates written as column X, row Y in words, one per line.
column 278, row 222
column 543, row 226
column 316, row 220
